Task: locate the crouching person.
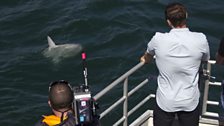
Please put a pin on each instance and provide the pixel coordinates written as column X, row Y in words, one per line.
column 61, row 100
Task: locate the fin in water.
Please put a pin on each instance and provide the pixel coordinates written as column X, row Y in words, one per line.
column 62, row 51
column 51, row 43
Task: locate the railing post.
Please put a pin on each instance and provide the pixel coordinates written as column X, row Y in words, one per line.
column 206, row 89
column 125, row 105
column 124, row 98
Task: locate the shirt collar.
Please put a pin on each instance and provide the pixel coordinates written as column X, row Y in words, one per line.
column 179, row 29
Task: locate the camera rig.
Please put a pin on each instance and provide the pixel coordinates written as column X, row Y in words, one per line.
column 84, row 105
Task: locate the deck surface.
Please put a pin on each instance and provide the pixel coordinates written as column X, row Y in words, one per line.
column 150, row 123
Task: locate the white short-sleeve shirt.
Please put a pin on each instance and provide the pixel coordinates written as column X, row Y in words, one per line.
column 178, row 57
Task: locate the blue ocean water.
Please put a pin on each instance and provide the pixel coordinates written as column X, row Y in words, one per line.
column 114, row 34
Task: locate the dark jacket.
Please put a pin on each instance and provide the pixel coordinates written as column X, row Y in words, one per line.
column 46, row 121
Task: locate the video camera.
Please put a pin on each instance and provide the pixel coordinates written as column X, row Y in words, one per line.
column 84, row 105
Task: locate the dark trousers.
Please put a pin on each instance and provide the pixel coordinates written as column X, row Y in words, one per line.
column 163, row 118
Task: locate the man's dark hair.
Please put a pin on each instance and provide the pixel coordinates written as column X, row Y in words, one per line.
column 60, row 95
column 176, row 13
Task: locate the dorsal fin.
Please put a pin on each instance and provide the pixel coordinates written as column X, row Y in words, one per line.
column 50, row 42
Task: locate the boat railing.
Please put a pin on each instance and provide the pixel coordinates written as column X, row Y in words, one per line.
column 208, row 83
column 126, row 95
column 148, row 113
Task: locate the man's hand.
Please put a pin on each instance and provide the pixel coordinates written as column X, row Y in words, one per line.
column 146, row 58
column 142, row 59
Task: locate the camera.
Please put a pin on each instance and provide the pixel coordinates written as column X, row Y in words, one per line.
column 84, row 106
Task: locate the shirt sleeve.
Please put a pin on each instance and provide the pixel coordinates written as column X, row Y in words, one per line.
column 206, row 55
column 221, row 47
column 151, row 46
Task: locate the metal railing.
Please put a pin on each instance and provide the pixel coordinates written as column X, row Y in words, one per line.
column 126, row 95
column 208, row 83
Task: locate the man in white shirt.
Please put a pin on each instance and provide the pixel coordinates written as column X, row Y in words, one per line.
column 179, row 54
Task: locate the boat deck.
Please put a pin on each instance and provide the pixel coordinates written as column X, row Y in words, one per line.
column 150, row 123
column 146, row 119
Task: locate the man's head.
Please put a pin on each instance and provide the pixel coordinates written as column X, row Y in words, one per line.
column 176, row 14
column 60, row 95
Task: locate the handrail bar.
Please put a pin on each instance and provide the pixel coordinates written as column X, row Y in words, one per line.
column 212, row 103
column 112, row 107
column 124, row 98
column 138, row 87
column 215, row 83
column 117, row 81
column 141, row 103
column 212, row 114
column 135, row 108
column 206, row 90
column 119, row 121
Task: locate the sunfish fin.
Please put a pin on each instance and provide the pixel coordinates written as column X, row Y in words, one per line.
column 50, row 42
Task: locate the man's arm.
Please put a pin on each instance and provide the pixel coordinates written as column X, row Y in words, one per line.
column 146, row 58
